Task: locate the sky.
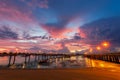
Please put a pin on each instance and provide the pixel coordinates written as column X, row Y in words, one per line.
column 51, row 25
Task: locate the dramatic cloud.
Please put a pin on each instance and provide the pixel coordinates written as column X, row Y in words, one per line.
column 58, row 29
column 7, row 33
column 102, row 30
column 77, row 36
column 54, row 24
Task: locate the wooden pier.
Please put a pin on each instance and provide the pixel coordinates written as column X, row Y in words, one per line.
column 38, row 57
column 44, row 57
column 110, row 57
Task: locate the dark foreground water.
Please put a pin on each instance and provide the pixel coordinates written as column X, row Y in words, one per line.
column 73, row 62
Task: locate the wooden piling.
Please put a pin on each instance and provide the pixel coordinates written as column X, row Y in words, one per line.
column 9, row 63
column 14, row 58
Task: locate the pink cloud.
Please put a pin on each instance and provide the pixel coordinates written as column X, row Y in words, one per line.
column 15, row 13
column 37, row 3
column 43, row 4
column 56, row 32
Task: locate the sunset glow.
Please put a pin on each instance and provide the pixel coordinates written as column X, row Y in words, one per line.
column 106, row 44
column 98, row 48
column 44, row 25
column 60, row 39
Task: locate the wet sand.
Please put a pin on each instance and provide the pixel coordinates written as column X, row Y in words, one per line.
column 60, row 74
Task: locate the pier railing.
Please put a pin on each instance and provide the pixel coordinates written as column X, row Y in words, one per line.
column 110, row 57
